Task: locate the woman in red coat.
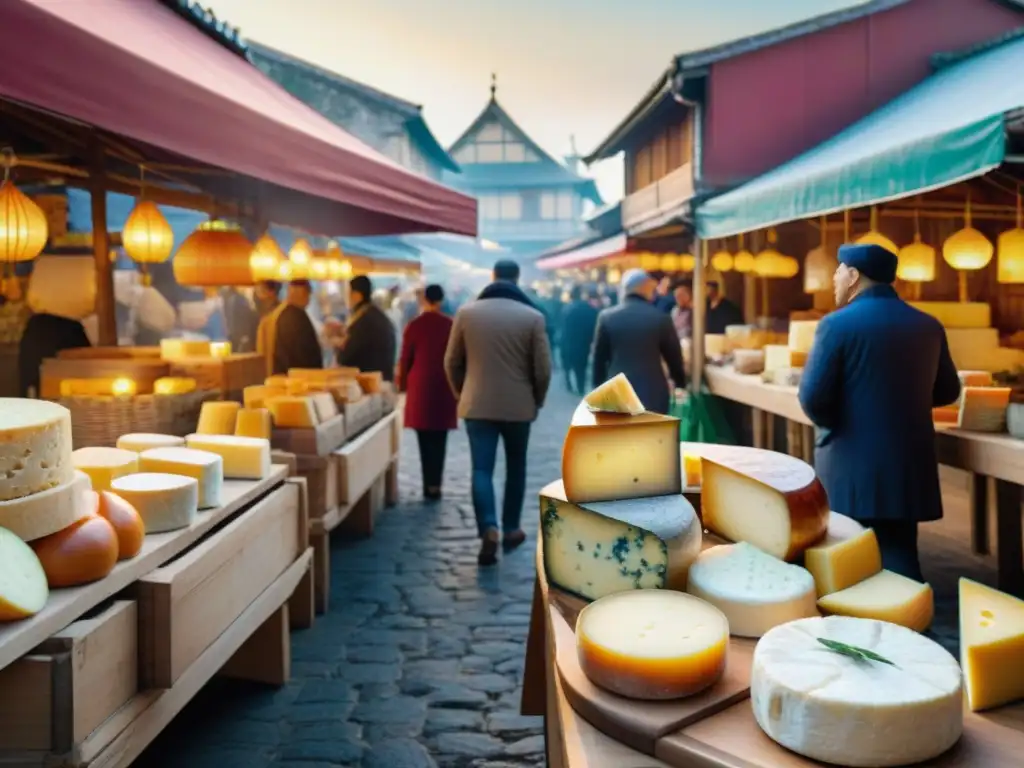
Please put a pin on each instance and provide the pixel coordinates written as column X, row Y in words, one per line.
column 430, row 406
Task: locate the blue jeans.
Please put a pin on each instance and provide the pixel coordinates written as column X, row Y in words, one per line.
column 483, row 451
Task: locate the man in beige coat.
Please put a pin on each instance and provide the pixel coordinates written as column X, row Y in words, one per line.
column 498, row 363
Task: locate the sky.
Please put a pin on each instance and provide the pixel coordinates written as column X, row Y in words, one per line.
column 565, row 68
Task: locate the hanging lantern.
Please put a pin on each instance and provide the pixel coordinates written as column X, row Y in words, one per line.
column 650, row 262
column 669, row 263
column 264, row 260
column 300, row 255
column 771, row 264
column 874, row 237
column 722, row 261
column 687, row 262
column 338, row 267
column 614, row 275
column 916, row 263
column 967, row 250
column 216, row 254
column 146, row 237
column 819, row 265
column 23, row 228
column 1010, row 250
column 743, row 261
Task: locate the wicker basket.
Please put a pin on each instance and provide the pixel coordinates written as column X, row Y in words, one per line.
column 100, row 421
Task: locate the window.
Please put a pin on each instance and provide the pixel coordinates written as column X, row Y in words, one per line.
column 466, row 154
column 494, row 144
column 490, row 207
column 492, row 132
column 507, row 207
column 489, row 153
column 515, row 153
column 565, row 205
column 557, row 205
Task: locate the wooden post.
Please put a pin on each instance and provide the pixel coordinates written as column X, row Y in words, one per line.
column 979, row 512
column 106, row 313
column 700, row 303
column 1008, row 537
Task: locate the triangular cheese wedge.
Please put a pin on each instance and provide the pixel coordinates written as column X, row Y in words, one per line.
column 991, row 645
column 615, row 396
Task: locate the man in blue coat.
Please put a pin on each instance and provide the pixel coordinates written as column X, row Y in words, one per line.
column 876, row 369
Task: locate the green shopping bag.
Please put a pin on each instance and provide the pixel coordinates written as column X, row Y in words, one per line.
column 701, row 419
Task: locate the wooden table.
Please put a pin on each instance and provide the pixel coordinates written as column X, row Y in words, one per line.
column 999, row 457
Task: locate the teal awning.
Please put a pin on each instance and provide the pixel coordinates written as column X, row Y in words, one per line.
column 947, row 129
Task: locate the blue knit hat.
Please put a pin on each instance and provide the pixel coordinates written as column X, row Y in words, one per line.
column 873, row 261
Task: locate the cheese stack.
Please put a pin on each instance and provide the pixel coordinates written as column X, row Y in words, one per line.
column 973, row 341
column 104, row 465
column 245, row 458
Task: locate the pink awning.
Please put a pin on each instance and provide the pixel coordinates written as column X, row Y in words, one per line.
column 579, row 257
column 138, row 69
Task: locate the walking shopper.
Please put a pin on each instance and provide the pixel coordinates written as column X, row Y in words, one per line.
column 634, row 338
column 876, row 369
column 430, row 406
column 578, row 325
column 499, row 365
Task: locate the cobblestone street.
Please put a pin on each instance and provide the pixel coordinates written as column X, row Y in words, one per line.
column 419, row 661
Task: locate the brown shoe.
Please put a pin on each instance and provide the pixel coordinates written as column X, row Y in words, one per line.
column 513, row 540
column 489, row 548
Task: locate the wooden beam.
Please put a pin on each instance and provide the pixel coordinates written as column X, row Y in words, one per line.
column 105, row 307
column 700, row 303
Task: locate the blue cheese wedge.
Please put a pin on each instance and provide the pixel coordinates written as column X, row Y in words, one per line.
column 595, row 549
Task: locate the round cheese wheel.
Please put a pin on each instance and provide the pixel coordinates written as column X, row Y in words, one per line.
column 35, row 447
column 49, row 511
column 828, row 706
column 86, row 551
column 127, row 523
column 652, row 644
column 165, row 502
column 23, row 588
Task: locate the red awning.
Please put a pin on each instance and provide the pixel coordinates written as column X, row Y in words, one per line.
column 138, row 69
column 585, row 254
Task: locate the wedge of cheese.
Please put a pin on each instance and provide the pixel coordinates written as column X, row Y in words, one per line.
column 886, row 596
column 165, row 502
column 836, row 565
column 245, row 458
column 254, row 422
column 652, row 645
column 207, row 469
column 41, row 514
column 218, row 417
column 104, row 465
column 23, row 586
column 983, row 409
column 991, row 646
column 754, row 590
column 612, row 456
column 856, row 712
column 35, row 447
column 594, row 549
column 143, row 441
column 768, row 499
column 615, row 396
column 801, row 335
column 292, row 412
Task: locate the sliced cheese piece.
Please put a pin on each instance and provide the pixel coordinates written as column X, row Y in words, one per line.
column 991, row 645
column 165, row 502
column 104, row 465
column 983, row 409
column 207, row 469
column 277, row 382
column 652, row 645
column 598, row 548
column 325, row 406
column 691, row 470
column 946, row 414
column 615, row 396
column 370, row 381
column 254, row 422
column 257, row 395
column 768, row 499
column 33, row 517
column 841, row 528
column 611, row 456
column 174, row 385
column 143, row 441
column 23, row 587
column 176, row 349
column 245, row 458
column 320, row 375
column 957, row 314
column 844, row 711
column 292, row 412
column 35, row 447
column 754, row 590
column 838, row 565
column 801, row 335
column 886, row 596
column 218, row 417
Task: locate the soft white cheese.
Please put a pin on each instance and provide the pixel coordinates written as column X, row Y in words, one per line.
column 165, row 502
column 207, row 468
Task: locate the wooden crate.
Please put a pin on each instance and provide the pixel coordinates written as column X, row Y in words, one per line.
column 311, row 441
column 188, row 603
column 142, row 371
column 228, row 374
column 52, row 699
column 360, row 415
column 321, row 474
column 363, row 460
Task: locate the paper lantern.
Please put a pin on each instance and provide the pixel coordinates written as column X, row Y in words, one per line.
column 216, row 254
column 23, row 232
column 146, row 237
column 687, row 262
column 916, row 262
column 650, row 262
column 300, row 254
column 614, row 275
column 769, row 263
column 743, row 260
column 1010, row 250
column 874, row 237
column 669, row 263
column 820, row 264
column 722, row 261
column 967, row 250
column 264, row 260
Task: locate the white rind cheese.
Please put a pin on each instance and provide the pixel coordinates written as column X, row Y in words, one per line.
column 754, row 590
column 33, row 517
column 35, row 447
column 207, row 468
column 603, row 547
column 143, row 441
column 864, row 714
column 165, row 502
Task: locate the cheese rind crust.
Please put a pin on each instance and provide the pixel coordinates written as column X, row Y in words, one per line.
column 35, row 447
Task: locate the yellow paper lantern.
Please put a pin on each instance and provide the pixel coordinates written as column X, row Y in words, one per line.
column 874, row 237
column 146, row 237
column 916, row 262
column 769, row 263
column 722, row 261
column 687, row 262
column 23, row 229
column 820, row 264
column 216, row 254
column 967, row 249
column 264, row 260
column 614, row 275
column 1010, row 250
column 669, row 263
column 743, row 260
column 650, row 261
column 300, row 254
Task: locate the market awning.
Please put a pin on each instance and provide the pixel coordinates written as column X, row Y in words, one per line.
column 585, row 253
column 137, row 69
column 949, row 128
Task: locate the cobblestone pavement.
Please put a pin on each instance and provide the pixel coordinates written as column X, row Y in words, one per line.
column 419, row 661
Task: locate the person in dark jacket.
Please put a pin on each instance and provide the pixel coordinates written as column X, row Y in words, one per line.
column 721, row 312
column 287, row 336
column 242, row 320
column 875, row 371
column 634, row 338
column 430, row 405
column 370, row 336
column 45, row 335
column 577, row 336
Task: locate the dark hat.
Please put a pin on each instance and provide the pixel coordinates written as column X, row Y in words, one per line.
column 361, row 284
column 873, row 261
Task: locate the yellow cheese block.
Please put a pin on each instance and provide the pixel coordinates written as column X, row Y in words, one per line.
column 975, row 378
column 256, row 396
column 253, row 422
column 292, row 412
column 983, row 409
column 174, row 385
column 88, row 387
column 615, row 396
column 714, row 345
column 801, row 335
column 280, row 382
column 207, row 469
column 691, row 470
column 143, row 441
column 35, row 447
column 325, row 406
column 218, row 417
column 23, row 586
column 176, row 349
column 33, row 517
column 104, row 465
column 297, row 387
column 778, row 357
column 991, row 645
column 245, row 458
column 886, row 596
column 321, row 376
column 838, row 565
column 956, row 314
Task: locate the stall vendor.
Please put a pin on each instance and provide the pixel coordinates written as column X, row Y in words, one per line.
column 875, row 371
column 370, row 342
column 286, row 337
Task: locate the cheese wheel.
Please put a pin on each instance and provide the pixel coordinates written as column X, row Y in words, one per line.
column 143, row 441
column 652, row 645
column 23, row 588
column 52, row 510
column 35, row 447
column 754, row 590
column 886, row 596
column 218, row 417
column 81, row 553
column 991, row 645
column 836, row 565
column 865, row 714
column 254, row 422
column 207, row 469
column 165, row 502
column 245, row 458
column 104, row 465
